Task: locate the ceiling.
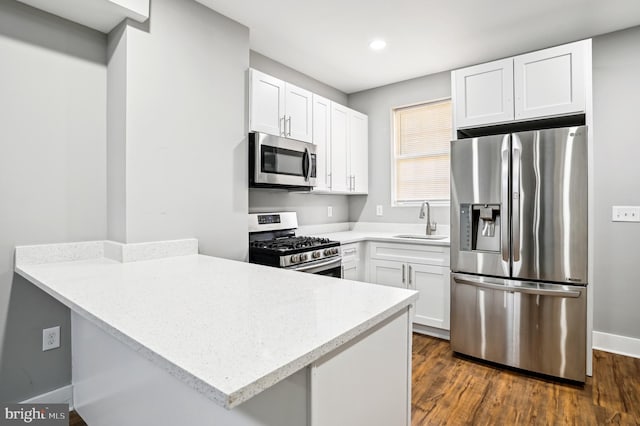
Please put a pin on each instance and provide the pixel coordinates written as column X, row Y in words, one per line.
column 328, row 40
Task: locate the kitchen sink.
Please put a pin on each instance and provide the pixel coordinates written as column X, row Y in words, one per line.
column 422, row 236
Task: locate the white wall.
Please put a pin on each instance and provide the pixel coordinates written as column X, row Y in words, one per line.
column 185, row 134
column 616, row 90
column 52, row 177
column 377, row 104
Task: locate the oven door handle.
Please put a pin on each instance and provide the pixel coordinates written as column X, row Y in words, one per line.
column 316, row 267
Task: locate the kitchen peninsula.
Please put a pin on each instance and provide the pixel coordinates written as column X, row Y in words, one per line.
column 162, row 335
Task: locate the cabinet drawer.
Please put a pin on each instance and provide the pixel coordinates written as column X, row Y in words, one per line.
column 424, row 254
column 350, row 252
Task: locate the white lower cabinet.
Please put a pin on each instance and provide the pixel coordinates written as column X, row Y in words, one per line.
column 432, row 308
column 353, row 262
column 387, row 272
column 418, row 267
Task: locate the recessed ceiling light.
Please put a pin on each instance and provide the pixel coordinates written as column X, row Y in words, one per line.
column 378, row 44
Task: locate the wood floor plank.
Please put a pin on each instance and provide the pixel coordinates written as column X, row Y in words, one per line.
column 453, row 390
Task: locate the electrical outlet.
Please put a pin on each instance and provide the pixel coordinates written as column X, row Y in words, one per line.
column 51, row 338
column 379, row 210
column 625, row 214
column 329, row 211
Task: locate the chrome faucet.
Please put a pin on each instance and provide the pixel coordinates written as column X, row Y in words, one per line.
column 431, row 227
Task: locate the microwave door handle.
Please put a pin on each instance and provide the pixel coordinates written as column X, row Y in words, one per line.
column 306, row 165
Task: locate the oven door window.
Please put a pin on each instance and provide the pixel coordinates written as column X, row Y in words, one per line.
column 282, row 161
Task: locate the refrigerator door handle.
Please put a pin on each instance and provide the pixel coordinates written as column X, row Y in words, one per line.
column 506, row 150
column 528, row 289
column 516, row 202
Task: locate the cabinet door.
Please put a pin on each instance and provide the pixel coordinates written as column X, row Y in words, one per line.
column 550, row 81
column 266, row 103
column 388, row 273
column 322, row 141
column 353, row 262
column 358, row 152
column 339, row 147
column 298, row 110
column 432, row 307
column 351, row 271
column 484, row 93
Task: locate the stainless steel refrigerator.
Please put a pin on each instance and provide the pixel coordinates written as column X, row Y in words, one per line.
column 519, row 250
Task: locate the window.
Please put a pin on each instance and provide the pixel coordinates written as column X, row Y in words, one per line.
column 421, row 152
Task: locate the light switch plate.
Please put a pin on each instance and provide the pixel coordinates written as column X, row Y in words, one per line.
column 329, row 211
column 379, row 210
column 625, row 214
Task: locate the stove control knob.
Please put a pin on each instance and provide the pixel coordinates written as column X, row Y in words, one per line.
column 303, row 257
column 316, row 254
column 295, row 258
column 334, row 250
column 327, row 252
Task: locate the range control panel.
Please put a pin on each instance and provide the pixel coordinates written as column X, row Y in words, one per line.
column 266, row 219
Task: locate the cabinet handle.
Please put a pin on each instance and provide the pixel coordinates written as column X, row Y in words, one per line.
column 330, row 180
column 409, row 274
column 403, row 274
column 289, row 133
column 283, row 127
column 354, row 183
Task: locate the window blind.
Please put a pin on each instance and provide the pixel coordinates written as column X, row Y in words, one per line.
column 422, row 136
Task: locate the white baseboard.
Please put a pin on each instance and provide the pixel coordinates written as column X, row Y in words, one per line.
column 431, row 331
column 57, row 396
column 621, row 345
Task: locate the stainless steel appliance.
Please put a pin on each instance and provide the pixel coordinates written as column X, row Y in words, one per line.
column 273, row 242
column 519, row 250
column 277, row 162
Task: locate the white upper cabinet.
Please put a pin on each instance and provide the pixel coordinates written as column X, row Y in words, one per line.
column 358, row 152
column 266, row 104
column 484, row 93
column 546, row 83
column 322, row 140
column 349, row 150
column 341, row 135
column 279, row 108
column 340, row 179
column 550, row 81
column 298, row 113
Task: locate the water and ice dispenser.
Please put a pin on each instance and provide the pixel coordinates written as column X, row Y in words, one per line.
column 480, row 227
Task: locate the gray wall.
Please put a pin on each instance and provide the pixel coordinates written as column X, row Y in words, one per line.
column 377, row 104
column 311, row 208
column 186, row 141
column 283, row 72
column 52, row 177
column 616, row 90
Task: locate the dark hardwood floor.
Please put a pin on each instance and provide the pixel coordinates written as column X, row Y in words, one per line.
column 449, row 390
column 76, row 420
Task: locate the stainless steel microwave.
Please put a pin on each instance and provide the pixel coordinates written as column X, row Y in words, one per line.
column 277, row 162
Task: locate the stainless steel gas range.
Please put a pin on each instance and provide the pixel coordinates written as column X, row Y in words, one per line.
column 273, row 242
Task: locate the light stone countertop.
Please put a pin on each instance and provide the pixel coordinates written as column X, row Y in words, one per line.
column 346, row 237
column 228, row 329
